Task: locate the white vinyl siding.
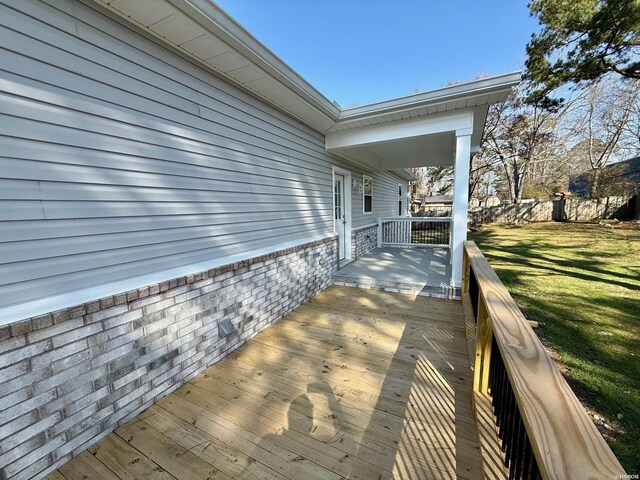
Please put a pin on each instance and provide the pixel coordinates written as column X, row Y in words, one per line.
column 120, row 158
column 385, row 198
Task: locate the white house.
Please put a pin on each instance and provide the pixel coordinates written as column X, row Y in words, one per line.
column 162, row 171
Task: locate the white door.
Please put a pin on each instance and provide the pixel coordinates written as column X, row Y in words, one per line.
column 339, row 215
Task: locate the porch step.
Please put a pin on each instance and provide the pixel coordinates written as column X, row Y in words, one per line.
column 419, row 289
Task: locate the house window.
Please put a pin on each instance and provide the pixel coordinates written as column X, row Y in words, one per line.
column 367, row 194
column 400, row 213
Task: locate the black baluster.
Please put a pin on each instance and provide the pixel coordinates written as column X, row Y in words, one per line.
column 522, row 444
column 506, row 417
column 501, row 397
column 527, row 457
column 492, row 368
column 513, row 412
column 534, row 473
column 495, row 393
column 473, row 293
column 517, row 445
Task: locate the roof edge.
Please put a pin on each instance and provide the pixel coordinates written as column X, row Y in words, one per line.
column 482, row 86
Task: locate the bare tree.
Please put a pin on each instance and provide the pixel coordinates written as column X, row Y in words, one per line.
column 432, row 180
column 439, row 180
column 604, row 118
column 522, row 141
column 418, row 185
column 633, row 130
column 534, row 151
column 481, row 174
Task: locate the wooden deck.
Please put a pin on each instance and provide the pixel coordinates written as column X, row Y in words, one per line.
column 355, row 384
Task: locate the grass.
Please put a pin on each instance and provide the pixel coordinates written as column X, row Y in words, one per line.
column 583, row 281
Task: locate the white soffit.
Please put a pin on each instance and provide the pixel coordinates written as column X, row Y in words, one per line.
column 202, row 30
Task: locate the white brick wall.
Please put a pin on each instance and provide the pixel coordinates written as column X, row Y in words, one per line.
column 69, row 377
column 363, row 240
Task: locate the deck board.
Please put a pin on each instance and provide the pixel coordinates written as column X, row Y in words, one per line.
column 356, row 384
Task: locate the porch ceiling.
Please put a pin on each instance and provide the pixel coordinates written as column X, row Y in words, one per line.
column 417, row 130
column 434, row 149
column 412, row 142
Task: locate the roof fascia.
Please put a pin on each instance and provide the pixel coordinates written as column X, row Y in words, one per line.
column 484, row 86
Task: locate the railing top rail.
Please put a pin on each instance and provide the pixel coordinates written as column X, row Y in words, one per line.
column 566, row 443
column 415, row 219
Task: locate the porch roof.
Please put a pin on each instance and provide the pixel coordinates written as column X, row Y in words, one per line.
column 417, row 130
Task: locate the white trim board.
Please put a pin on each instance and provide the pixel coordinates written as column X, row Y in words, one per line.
column 407, row 128
column 42, row 306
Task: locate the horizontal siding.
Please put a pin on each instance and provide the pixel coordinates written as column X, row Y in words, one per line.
column 385, row 198
column 122, row 159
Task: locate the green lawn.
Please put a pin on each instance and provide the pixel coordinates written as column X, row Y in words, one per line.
column 583, row 281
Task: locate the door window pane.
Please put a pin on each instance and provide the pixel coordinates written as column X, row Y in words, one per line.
column 337, row 197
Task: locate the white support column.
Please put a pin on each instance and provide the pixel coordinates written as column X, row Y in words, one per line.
column 460, row 203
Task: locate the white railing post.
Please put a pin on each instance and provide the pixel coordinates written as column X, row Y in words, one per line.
column 379, row 232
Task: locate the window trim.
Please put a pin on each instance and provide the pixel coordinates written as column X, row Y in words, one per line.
column 364, row 178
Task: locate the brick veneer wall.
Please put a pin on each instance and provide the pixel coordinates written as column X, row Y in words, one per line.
column 70, row 377
column 363, row 240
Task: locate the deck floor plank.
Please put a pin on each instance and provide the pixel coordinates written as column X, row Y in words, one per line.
column 356, row 384
column 85, row 466
column 125, row 461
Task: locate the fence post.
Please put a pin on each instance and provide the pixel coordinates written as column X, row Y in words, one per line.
column 379, row 232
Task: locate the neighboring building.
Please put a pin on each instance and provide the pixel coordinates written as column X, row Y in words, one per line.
column 162, row 171
column 434, row 206
column 621, row 178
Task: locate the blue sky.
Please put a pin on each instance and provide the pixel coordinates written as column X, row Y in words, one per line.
column 362, row 51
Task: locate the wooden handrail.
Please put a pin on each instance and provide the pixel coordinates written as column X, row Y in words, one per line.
column 564, row 440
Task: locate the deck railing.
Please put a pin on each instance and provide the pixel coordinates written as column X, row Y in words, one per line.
column 414, row 231
column 544, row 430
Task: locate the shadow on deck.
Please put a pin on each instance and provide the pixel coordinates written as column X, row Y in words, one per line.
column 415, row 271
column 355, row 384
